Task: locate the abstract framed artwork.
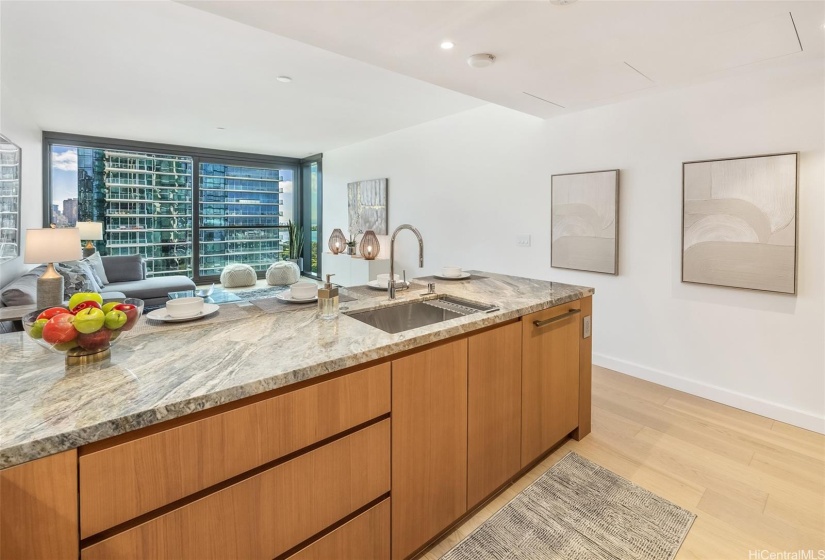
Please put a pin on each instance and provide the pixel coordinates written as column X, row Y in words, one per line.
column 367, row 206
column 739, row 222
column 585, row 221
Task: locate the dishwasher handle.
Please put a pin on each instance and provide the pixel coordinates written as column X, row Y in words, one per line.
column 555, row 319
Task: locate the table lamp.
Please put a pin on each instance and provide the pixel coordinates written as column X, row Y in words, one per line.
column 49, row 246
column 90, row 231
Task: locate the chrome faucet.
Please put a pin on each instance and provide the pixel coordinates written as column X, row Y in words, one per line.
column 392, row 284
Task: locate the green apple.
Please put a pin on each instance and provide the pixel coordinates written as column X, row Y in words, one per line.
column 89, row 320
column 115, row 319
column 37, row 328
column 109, row 306
column 80, row 297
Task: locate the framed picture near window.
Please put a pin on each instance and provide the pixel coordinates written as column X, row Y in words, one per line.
column 739, row 222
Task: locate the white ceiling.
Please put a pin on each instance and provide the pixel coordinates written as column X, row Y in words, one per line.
column 576, row 56
column 163, row 72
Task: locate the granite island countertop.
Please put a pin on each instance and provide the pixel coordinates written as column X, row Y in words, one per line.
column 157, row 375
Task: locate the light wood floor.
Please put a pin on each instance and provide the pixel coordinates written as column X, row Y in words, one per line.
column 754, row 483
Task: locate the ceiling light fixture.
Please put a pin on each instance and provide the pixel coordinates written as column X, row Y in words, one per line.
column 447, row 45
column 561, row 2
column 284, row 79
column 221, row 127
column 481, row 60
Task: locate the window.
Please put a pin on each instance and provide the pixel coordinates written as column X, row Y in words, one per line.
column 185, row 210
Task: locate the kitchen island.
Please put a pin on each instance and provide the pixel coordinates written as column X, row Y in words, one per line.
column 192, row 439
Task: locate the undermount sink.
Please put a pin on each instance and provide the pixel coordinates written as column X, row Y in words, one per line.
column 420, row 313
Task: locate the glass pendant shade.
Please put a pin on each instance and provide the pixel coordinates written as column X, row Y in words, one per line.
column 369, row 245
column 337, row 241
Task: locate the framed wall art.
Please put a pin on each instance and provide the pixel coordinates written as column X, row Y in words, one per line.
column 367, row 206
column 739, row 222
column 585, row 221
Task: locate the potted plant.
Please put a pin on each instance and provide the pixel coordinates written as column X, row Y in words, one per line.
column 352, row 242
column 296, row 243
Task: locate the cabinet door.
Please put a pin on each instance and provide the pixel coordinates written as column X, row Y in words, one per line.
column 429, row 444
column 550, row 378
column 493, row 410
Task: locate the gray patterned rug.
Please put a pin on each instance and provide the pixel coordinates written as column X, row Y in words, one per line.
column 578, row 510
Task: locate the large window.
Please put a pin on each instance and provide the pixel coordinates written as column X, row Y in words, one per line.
column 186, row 210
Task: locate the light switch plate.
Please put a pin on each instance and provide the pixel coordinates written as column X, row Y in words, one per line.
column 586, row 327
column 523, row 240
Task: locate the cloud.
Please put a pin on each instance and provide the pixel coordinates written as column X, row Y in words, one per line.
column 65, row 161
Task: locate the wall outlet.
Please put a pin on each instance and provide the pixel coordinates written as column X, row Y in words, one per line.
column 587, row 327
column 523, row 240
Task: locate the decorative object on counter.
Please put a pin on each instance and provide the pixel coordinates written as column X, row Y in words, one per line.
column 238, row 276
column 10, row 160
column 304, row 290
column 367, row 205
column 185, row 307
column 90, row 231
column 369, row 245
column 84, row 330
column 585, row 221
column 651, row 526
column 51, row 245
column 296, row 243
column 451, row 271
column 739, row 222
column 337, row 241
column 162, row 314
column 205, row 292
column 328, row 300
column 353, row 241
column 282, row 273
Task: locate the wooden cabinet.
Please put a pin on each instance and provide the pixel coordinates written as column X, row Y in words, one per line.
column 550, row 378
column 429, row 444
column 268, row 513
column 38, row 509
column 493, row 410
column 366, row 537
column 121, row 482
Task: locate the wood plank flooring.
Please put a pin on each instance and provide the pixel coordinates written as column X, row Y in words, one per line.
column 754, row 483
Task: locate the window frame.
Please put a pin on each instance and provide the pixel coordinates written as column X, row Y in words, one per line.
column 198, row 155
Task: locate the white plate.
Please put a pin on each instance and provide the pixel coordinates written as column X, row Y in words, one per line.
column 376, row 285
column 286, row 296
column 163, row 315
column 459, row 277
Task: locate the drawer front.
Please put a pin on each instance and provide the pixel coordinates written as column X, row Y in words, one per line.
column 269, row 513
column 127, row 480
column 367, row 537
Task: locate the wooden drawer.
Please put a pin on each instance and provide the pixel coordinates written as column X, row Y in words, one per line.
column 367, row 537
column 127, row 480
column 269, row 513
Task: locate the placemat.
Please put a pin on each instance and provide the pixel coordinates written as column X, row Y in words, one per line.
column 226, row 312
column 367, row 292
column 274, row 305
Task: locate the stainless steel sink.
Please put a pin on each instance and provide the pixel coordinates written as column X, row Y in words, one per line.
column 419, row 313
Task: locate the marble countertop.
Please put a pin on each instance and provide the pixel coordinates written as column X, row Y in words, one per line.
column 156, row 376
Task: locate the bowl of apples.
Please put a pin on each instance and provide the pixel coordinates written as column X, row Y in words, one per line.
column 85, row 329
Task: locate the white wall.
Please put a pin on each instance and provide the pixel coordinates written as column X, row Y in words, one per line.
column 472, row 181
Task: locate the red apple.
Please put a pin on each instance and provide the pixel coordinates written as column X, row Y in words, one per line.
column 85, row 305
column 52, row 311
column 131, row 315
column 60, row 329
column 97, row 340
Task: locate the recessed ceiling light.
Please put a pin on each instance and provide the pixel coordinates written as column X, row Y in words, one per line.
column 481, row 60
column 447, row 45
column 221, row 127
column 284, row 79
column 561, row 2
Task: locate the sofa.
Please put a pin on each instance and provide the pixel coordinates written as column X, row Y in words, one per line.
column 123, row 276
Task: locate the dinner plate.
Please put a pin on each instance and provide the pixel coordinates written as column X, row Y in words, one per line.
column 376, row 285
column 163, row 315
column 461, row 276
column 286, row 296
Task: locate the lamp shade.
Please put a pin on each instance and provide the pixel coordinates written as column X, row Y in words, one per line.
column 52, row 245
column 337, row 241
column 369, row 245
column 92, row 231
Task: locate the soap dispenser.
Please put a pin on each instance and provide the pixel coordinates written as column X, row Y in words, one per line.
column 328, row 300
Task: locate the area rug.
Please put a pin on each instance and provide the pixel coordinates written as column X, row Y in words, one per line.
column 578, row 510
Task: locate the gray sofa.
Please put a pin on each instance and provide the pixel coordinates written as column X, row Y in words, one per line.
column 126, row 277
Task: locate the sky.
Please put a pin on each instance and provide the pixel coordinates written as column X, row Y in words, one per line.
column 64, row 174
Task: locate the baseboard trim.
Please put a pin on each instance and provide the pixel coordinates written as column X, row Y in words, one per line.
column 735, row 399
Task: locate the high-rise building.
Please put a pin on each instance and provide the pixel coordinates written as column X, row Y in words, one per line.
column 70, row 211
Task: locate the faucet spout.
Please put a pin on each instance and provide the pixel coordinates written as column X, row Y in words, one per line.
column 392, row 286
